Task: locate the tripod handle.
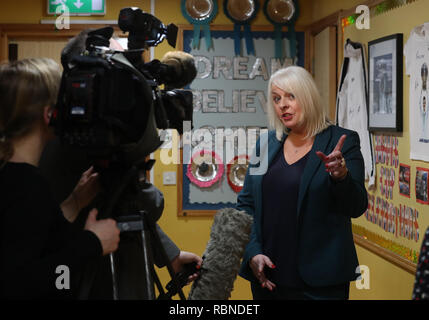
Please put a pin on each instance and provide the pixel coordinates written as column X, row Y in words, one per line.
column 182, row 277
column 181, row 280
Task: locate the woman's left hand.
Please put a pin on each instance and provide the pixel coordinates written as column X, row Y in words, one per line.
column 335, row 163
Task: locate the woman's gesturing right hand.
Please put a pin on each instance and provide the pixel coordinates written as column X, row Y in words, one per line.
column 106, row 231
column 257, row 264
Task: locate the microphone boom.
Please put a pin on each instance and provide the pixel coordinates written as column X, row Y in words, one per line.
column 229, row 236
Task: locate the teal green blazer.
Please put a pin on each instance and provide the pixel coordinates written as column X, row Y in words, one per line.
column 326, row 251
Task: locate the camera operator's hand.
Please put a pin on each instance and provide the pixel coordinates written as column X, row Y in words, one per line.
column 87, row 188
column 106, row 231
column 185, row 258
column 84, row 192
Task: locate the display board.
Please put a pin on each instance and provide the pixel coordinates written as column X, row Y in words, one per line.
column 398, row 211
column 229, row 113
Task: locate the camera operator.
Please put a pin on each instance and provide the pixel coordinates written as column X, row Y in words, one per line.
column 36, row 238
column 65, row 161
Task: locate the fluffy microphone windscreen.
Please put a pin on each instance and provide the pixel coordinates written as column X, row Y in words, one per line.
column 184, row 66
column 229, row 236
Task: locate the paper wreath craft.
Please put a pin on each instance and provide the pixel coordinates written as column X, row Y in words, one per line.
column 205, row 169
column 241, row 12
column 236, row 172
column 283, row 13
column 200, row 13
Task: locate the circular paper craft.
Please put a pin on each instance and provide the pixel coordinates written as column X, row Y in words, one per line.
column 205, row 169
column 199, row 9
column 241, row 12
column 280, row 13
column 236, row 172
column 200, row 13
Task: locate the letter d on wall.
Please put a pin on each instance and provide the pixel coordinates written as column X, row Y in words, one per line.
column 63, row 280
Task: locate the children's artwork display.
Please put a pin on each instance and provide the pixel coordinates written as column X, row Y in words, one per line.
column 422, row 185
column 386, row 150
column 387, row 182
column 399, row 221
column 417, row 61
column 404, row 180
column 394, row 222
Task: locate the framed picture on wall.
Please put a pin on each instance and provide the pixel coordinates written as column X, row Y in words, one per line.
column 404, row 180
column 385, row 83
column 422, row 186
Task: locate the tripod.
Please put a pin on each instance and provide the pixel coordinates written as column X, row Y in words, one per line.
column 140, row 223
column 138, row 228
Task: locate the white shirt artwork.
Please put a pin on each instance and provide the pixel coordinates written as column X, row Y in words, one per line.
column 352, row 107
column 416, row 53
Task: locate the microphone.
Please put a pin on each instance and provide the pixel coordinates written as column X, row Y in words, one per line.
column 181, row 69
column 229, row 236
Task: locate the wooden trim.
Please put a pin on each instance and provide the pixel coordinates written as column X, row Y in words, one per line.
column 35, row 30
column 334, row 19
column 309, row 51
column 385, row 254
column 21, row 31
column 351, row 11
column 333, row 71
column 230, row 27
column 4, row 46
column 322, row 24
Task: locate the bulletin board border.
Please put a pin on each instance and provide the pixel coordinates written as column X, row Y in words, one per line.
column 404, row 258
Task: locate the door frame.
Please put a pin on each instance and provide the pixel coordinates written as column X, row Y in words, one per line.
column 14, row 32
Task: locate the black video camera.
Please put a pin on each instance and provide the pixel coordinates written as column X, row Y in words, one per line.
column 110, row 103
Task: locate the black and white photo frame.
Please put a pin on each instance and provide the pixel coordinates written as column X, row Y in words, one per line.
column 385, row 68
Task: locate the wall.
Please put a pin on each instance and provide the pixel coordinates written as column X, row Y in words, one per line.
column 323, row 8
